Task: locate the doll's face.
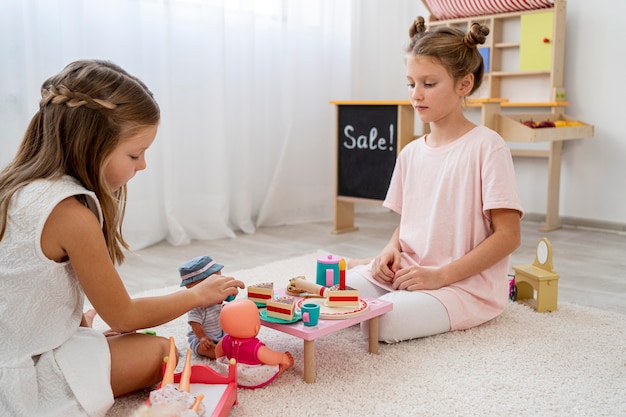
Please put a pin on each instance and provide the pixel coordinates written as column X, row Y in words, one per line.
column 240, row 318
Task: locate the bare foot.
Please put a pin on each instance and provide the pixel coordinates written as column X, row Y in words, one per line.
column 355, row 262
column 88, row 317
column 283, row 367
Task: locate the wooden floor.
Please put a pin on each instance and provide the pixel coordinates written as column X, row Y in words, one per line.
column 591, row 263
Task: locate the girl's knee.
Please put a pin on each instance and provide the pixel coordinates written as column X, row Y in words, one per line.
column 163, row 348
column 158, row 349
column 136, row 361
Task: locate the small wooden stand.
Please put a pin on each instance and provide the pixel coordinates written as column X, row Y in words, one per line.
column 540, row 277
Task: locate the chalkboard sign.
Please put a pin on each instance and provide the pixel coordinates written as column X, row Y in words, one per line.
column 367, row 149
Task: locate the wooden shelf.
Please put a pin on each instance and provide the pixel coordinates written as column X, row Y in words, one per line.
column 517, row 73
column 478, row 102
column 370, row 102
column 510, row 127
column 530, row 153
column 535, row 40
column 504, row 45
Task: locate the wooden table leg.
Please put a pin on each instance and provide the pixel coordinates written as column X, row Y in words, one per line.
column 309, row 361
column 373, row 335
column 554, row 184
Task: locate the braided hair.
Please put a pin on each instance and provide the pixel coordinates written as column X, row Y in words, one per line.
column 84, row 112
column 456, row 50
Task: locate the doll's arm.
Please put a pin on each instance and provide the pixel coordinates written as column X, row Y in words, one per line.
column 199, row 332
column 219, row 352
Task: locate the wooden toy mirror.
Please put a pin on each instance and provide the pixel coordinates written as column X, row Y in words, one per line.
column 543, row 257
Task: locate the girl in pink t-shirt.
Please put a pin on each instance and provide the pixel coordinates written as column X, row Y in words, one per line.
column 445, row 266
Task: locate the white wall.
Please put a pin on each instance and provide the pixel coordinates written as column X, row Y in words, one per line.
column 593, row 173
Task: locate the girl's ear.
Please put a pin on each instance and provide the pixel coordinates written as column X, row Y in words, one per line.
column 465, row 84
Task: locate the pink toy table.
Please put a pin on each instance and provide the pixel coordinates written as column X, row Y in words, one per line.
column 324, row 327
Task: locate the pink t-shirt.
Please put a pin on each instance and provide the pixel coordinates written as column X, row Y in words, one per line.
column 444, row 196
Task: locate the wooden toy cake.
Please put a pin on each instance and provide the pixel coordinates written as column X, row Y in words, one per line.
column 342, row 298
column 281, row 307
column 261, row 293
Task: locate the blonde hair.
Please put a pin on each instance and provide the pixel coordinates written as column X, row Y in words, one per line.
column 84, row 112
column 455, row 50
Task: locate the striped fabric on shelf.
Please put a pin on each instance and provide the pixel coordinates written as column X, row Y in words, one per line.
column 454, row 9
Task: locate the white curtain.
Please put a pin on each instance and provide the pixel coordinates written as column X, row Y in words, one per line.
column 246, row 136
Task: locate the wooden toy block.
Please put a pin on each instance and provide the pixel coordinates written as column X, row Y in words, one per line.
column 539, row 277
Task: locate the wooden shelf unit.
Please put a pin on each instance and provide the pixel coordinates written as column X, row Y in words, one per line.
column 535, row 40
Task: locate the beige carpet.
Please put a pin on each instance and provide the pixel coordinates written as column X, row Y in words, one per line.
column 571, row 362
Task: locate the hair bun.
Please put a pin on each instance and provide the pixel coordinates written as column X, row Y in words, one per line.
column 417, row 27
column 477, row 35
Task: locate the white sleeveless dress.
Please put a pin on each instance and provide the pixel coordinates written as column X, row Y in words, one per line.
column 49, row 365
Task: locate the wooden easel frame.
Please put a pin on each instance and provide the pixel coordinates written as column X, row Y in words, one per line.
column 344, row 205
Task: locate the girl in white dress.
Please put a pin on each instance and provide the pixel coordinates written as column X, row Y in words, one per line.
column 62, row 202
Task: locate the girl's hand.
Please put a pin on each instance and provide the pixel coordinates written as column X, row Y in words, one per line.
column 418, row 278
column 216, row 289
column 385, row 265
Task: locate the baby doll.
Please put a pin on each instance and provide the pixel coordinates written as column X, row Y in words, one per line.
column 257, row 365
column 204, row 322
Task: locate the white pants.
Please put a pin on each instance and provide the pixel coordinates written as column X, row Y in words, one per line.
column 415, row 314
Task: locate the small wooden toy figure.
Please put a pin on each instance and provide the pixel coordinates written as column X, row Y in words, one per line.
column 257, row 365
column 540, row 278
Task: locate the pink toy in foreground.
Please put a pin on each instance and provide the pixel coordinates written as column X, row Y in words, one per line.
column 177, row 400
column 257, row 365
column 182, row 394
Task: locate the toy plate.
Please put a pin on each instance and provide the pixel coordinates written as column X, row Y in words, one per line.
column 335, row 313
column 297, row 316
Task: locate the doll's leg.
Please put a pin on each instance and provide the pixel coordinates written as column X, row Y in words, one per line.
column 136, row 361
